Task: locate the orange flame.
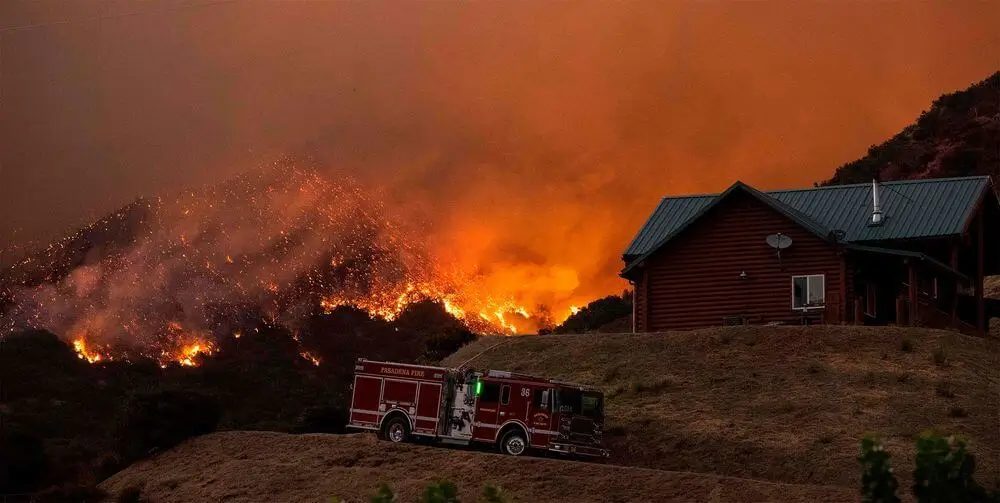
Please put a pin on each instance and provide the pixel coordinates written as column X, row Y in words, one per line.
column 85, row 353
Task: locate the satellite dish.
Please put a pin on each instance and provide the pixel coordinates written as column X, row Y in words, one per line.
column 779, row 241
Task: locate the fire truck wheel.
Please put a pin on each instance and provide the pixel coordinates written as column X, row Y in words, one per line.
column 514, row 443
column 397, row 429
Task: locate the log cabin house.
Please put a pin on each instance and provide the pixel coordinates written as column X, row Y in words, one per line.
column 906, row 253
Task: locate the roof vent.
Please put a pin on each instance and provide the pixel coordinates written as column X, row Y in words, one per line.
column 876, row 204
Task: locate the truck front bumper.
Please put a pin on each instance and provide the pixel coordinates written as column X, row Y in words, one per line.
column 583, row 450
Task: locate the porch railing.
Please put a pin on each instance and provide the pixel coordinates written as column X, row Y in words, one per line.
column 930, row 316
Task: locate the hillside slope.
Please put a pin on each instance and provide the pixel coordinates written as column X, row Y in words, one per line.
column 958, row 136
column 786, row 404
column 264, row 466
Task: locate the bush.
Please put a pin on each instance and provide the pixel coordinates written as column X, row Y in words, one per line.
column 945, row 390
column 160, row 420
column 597, row 314
column 943, row 474
column 878, row 483
column 906, row 346
column 940, row 356
column 494, row 494
column 441, row 492
column 131, row 494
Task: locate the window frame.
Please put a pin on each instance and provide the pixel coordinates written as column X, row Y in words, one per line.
column 540, row 399
column 485, row 395
column 871, row 299
column 807, row 277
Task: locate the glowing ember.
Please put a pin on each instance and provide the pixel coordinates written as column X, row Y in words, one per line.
column 309, row 356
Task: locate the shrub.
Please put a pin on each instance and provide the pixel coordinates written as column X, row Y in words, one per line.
column 940, row 356
column 906, row 346
column 659, row 384
column 494, row 494
column 131, row 494
column 878, row 483
column 944, row 472
column 383, row 495
column 441, row 492
column 944, row 389
column 597, row 314
column 160, row 420
column 957, row 411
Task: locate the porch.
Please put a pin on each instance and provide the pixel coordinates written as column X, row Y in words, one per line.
column 903, row 288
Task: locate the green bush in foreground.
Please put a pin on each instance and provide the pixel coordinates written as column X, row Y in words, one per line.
column 439, row 492
column 878, row 484
column 943, row 473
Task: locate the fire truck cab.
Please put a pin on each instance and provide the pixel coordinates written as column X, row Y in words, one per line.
column 515, row 412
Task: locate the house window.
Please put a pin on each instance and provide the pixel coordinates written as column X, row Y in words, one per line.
column 870, row 299
column 808, row 291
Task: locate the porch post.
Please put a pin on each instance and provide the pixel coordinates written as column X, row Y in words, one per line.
column 645, row 300
column 913, row 295
column 954, row 285
column 843, row 289
column 980, row 306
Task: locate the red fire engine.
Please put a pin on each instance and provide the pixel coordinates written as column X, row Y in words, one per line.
column 461, row 406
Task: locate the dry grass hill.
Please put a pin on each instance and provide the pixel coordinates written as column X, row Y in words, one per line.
column 735, row 414
column 784, row 404
column 263, row 466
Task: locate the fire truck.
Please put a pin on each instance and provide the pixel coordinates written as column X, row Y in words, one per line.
column 517, row 413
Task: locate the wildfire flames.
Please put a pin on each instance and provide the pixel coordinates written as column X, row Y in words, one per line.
column 285, row 240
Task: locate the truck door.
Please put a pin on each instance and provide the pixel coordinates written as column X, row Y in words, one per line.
column 514, row 399
column 487, row 410
column 540, row 420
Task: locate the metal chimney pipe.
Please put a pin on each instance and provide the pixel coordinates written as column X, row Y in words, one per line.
column 876, row 204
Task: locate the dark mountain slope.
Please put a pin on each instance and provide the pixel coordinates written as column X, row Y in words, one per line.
column 958, row 136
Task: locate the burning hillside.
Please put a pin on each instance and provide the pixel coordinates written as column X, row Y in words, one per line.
column 156, row 278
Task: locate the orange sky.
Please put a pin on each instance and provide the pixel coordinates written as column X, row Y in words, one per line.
column 534, row 136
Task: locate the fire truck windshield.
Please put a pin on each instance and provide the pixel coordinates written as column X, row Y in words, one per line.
column 586, row 403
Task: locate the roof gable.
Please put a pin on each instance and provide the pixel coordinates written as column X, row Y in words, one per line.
column 912, row 209
column 660, row 229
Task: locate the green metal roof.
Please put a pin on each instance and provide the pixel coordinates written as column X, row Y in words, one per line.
column 911, row 209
